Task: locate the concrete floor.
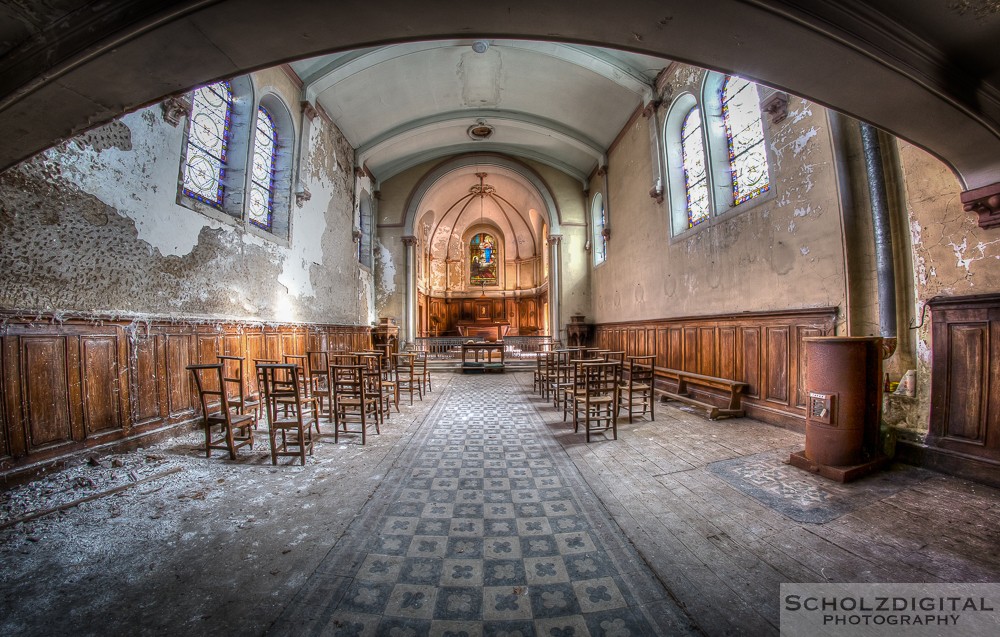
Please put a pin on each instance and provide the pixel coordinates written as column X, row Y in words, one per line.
column 224, row 547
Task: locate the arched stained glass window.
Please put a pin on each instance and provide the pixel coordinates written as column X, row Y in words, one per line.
column 600, row 222
column 209, row 132
column 265, row 152
column 745, row 134
column 695, row 174
column 483, row 260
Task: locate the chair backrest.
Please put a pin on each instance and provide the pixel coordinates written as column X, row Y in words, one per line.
column 348, row 381
column 405, row 365
column 281, row 382
column 234, row 377
column 640, row 368
column 613, row 356
column 601, row 378
column 208, row 381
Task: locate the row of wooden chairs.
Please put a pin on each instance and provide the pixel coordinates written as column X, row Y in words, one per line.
column 595, row 385
column 353, row 390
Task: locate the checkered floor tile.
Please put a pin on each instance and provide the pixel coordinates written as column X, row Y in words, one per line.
column 483, row 527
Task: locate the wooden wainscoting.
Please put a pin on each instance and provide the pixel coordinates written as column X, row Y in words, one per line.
column 71, row 385
column 763, row 349
column 964, row 436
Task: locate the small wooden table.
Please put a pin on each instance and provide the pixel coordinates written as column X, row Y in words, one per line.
column 477, row 366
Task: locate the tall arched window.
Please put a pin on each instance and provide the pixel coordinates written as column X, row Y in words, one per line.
column 209, row 132
column 260, row 206
column 695, row 173
column 745, row 137
column 600, row 221
column 483, row 260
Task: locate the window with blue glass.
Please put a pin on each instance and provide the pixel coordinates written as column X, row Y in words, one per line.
column 209, row 132
column 260, row 206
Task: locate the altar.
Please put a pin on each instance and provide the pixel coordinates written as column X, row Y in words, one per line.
column 486, row 330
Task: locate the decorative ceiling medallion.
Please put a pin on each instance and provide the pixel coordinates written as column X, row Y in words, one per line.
column 480, row 130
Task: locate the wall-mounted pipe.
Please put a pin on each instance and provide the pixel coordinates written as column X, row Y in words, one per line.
column 882, row 230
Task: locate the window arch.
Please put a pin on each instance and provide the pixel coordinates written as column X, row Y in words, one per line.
column 260, row 204
column 599, row 217
column 208, row 138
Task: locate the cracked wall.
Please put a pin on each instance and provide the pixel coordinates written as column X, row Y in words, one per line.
column 952, row 256
column 93, row 226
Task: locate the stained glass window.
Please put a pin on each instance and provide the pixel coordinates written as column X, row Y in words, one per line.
column 208, row 141
column 265, row 152
column 600, row 222
column 745, row 133
column 695, row 174
column 483, row 260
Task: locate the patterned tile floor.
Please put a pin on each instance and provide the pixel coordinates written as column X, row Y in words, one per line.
column 483, row 527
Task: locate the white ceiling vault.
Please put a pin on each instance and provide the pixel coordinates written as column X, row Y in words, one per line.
column 403, row 104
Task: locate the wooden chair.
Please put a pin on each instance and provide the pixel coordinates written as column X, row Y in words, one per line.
column 636, row 392
column 352, row 401
column 574, row 388
column 236, row 428
column 597, row 409
column 290, row 413
column 541, row 373
column 318, row 366
column 420, row 365
column 377, row 386
column 407, row 378
column 237, row 391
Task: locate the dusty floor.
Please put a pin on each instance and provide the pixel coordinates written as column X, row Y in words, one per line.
column 221, row 547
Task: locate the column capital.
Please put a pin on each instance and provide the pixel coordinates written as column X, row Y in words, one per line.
column 985, row 202
column 409, row 241
column 555, row 239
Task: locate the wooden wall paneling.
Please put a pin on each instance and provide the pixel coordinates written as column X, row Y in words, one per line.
column 101, row 390
column 727, row 353
column 146, row 379
column 17, row 443
column 232, row 343
column 750, row 360
column 662, row 347
column 180, row 350
column 45, row 386
column 966, row 399
column 776, row 364
column 4, row 420
column 798, row 362
column 705, row 354
column 272, row 346
column 690, row 360
column 675, row 348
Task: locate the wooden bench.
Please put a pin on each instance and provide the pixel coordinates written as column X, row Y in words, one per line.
column 734, row 387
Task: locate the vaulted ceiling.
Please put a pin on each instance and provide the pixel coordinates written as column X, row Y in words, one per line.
column 403, row 104
column 926, row 70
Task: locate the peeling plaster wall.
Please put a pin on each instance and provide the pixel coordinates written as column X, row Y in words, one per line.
column 785, row 247
column 952, row 256
column 93, row 226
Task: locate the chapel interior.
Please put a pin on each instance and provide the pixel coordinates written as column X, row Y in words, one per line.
column 721, row 187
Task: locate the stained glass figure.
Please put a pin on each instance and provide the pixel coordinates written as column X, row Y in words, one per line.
column 483, row 260
column 260, row 209
column 695, row 173
column 209, row 131
column 745, row 133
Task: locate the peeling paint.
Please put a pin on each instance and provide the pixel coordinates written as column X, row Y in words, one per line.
column 799, row 144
